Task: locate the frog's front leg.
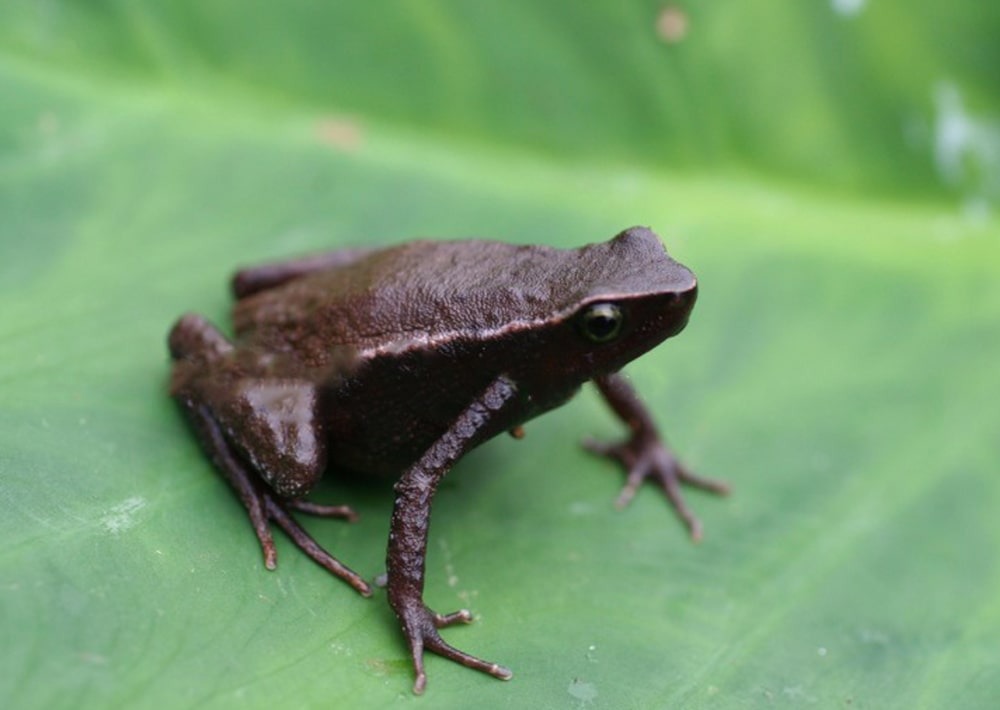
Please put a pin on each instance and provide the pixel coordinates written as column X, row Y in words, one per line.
column 255, row 430
column 644, row 455
column 409, row 530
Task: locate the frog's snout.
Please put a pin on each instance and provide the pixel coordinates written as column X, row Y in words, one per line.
column 681, row 306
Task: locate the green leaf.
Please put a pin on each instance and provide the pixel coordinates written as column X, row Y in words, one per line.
column 840, row 368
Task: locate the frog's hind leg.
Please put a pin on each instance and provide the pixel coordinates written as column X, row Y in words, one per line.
column 264, row 506
column 255, row 279
column 233, row 428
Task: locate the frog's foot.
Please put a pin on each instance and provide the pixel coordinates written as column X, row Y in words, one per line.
column 420, row 625
column 644, row 456
column 264, row 506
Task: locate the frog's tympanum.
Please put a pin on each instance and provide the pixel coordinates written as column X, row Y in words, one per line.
column 400, row 360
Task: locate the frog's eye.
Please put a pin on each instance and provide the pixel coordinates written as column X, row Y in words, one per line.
column 601, row 322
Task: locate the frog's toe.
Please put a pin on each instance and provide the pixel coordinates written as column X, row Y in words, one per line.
column 420, row 625
column 344, row 512
column 616, row 451
column 462, row 616
column 277, row 512
column 647, row 458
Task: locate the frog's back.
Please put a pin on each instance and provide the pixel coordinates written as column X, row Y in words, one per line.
column 423, row 290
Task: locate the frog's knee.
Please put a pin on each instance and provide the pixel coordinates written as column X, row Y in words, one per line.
column 193, row 336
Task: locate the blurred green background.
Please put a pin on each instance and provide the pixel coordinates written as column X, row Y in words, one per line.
column 830, row 169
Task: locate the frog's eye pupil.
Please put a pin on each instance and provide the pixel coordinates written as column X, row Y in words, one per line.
column 601, row 322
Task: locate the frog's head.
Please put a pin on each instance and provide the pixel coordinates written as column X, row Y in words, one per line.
column 621, row 298
column 642, row 298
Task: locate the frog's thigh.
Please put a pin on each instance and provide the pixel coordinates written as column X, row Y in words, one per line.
column 255, row 279
column 275, row 425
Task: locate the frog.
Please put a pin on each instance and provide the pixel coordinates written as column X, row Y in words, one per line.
column 398, row 360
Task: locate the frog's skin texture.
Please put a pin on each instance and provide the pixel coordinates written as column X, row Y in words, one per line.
column 400, row 360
